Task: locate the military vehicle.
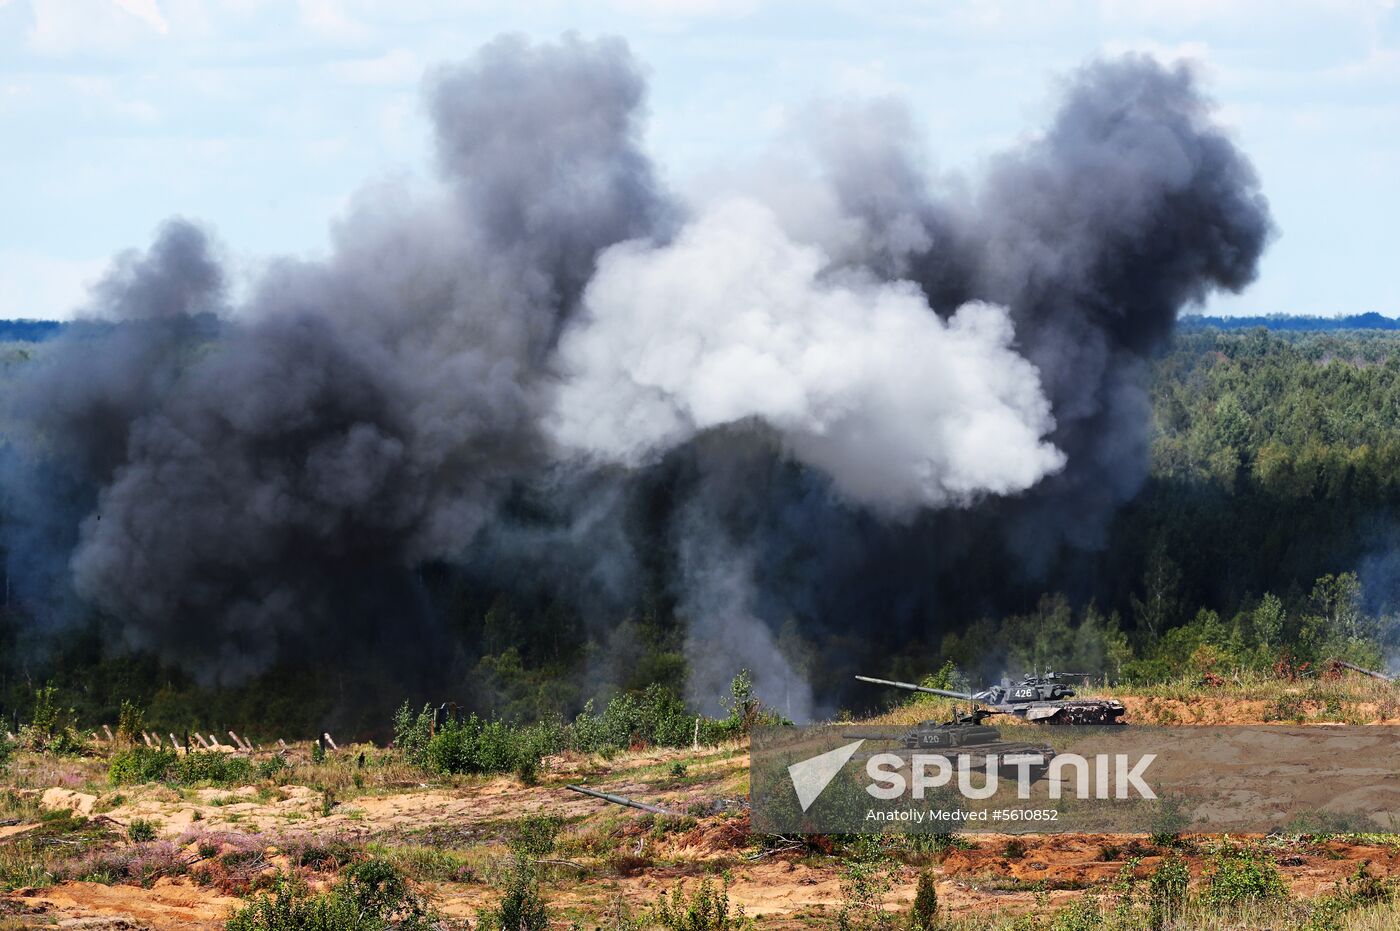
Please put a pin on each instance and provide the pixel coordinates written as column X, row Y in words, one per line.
column 965, row 735
column 1041, row 699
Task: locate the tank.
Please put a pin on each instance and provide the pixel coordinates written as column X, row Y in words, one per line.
column 1042, row 698
column 964, row 735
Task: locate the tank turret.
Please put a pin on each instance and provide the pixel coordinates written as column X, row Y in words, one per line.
column 1043, row 698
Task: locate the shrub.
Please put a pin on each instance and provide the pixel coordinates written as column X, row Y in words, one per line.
column 707, row 909
column 522, row 908
column 370, row 896
column 211, row 766
column 131, row 721
column 140, row 830
column 52, row 729
column 923, row 916
column 1239, row 875
column 147, row 764
column 271, row 767
column 864, row 884
column 1166, row 889
column 476, row 746
column 140, row 764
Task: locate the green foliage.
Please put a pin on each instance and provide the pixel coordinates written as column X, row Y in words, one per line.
column 271, row 768
column 140, row 764
column 51, row 729
column 1238, row 875
column 140, row 830
column 865, row 881
column 476, row 746
column 522, row 907
column 923, row 915
column 1166, row 892
column 131, row 721
column 706, row 909
column 146, row 764
column 222, row 769
column 7, row 749
column 23, row 864
column 318, row 752
column 534, row 837
column 370, row 896
column 654, row 716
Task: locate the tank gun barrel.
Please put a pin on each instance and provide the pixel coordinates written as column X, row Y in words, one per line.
column 964, row 696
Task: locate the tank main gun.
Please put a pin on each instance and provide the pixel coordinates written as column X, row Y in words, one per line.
column 946, row 693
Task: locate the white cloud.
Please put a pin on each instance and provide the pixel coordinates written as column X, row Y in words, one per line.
column 147, row 11
column 331, row 19
column 63, row 27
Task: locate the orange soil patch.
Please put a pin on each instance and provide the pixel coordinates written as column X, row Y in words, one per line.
column 169, row 905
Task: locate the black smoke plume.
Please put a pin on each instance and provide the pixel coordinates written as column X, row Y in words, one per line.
column 768, row 416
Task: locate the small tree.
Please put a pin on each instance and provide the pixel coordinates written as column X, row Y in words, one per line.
column 924, row 915
column 131, row 721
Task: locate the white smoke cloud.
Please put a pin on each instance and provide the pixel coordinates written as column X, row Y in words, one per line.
column 733, row 321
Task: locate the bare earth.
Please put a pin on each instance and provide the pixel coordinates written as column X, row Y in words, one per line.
column 607, row 854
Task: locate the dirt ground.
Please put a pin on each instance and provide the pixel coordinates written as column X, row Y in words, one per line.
column 608, row 857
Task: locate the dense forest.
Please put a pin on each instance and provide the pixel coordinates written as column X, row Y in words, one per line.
column 1266, row 536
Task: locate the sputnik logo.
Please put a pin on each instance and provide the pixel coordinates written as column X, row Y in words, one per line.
column 814, row 774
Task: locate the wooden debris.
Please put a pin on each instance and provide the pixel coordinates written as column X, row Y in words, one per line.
column 330, row 742
column 108, row 731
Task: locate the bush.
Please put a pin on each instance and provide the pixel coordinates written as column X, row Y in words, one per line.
column 471, row 745
column 1239, row 875
column 52, row 729
column 707, row 909
column 211, row 766
column 140, row 764
column 1166, row 890
column 370, row 896
column 522, row 908
column 923, row 916
column 131, row 721
column 271, row 767
column 140, row 830
column 147, row 764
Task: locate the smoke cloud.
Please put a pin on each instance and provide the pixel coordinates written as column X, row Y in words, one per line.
column 771, row 406
column 859, row 378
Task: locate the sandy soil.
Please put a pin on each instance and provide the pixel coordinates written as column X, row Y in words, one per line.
column 787, row 888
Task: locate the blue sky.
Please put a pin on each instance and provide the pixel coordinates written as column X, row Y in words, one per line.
column 262, row 118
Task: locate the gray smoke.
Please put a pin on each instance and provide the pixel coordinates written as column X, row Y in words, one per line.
column 1130, row 206
column 703, row 399
column 361, row 414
